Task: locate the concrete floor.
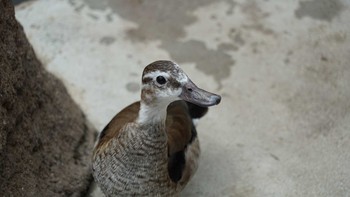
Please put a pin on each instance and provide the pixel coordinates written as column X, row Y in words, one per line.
column 282, row 67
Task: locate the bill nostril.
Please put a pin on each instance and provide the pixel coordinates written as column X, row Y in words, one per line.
column 190, row 89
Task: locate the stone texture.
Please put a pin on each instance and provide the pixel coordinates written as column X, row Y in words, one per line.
column 45, row 140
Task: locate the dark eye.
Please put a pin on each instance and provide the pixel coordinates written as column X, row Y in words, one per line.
column 161, row 80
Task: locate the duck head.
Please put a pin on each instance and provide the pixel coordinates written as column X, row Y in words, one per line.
column 164, row 82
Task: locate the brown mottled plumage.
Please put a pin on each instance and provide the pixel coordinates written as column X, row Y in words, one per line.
column 151, row 148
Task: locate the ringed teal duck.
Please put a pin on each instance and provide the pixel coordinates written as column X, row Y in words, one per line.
column 150, row 148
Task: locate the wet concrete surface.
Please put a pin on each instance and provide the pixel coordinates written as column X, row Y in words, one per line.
column 282, row 67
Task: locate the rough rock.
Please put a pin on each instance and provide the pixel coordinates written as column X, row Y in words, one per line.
column 45, row 139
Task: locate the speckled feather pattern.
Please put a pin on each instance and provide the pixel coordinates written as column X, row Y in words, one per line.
column 139, row 167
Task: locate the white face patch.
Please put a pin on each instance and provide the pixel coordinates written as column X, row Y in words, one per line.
column 171, row 93
column 182, row 78
column 155, row 74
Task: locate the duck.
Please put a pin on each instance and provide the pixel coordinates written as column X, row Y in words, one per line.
column 151, row 147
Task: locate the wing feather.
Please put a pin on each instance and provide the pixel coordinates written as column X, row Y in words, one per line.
column 127, row 115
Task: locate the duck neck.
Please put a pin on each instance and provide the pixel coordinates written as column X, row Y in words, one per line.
column 152, row 113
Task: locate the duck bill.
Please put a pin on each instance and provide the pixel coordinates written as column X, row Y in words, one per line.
column 197, row 96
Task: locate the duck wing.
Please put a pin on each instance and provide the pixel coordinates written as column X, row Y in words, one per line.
column 181, row 134
column 112, row 129
column 179, row 125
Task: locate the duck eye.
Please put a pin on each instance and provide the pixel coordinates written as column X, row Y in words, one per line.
column 161, row 80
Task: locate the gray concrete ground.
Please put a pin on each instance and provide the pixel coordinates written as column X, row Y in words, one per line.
column 282, row 67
